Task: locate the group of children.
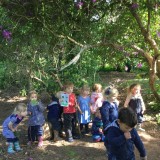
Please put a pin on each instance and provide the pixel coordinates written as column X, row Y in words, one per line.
column 110, row 124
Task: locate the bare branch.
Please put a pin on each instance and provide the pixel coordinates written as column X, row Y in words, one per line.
column 75, row 59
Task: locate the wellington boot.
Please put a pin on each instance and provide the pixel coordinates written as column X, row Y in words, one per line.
column 10, row 148
column 40, row 141
column 17, row 147
column 56, row 137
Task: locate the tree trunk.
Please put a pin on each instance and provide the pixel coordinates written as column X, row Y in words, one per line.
column 158, row 68
column 152, row 78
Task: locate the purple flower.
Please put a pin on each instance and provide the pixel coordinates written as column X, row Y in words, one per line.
column 93, row 1
column 6, row 34
column 135, row 53
column 126, row 54
column 158, row 34
column 80, row 4
column 139, row 65
column 135, row 6
column 120, row 48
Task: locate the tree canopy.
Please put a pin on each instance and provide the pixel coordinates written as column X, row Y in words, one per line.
column 51, row 41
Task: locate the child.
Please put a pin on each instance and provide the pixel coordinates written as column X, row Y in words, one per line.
column 96, row 97
column 109, row 109
column 69, row 112
column 54, row 117
column 36, row 119
column 84, row 115
column 10, row 127
column 97, row 132
column 134, row 100
column 122, row 136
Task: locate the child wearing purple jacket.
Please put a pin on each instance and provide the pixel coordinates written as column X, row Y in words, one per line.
column 36, row 119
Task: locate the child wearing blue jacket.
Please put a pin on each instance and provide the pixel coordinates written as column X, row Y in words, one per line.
column 122, row 136
column 54, row 117
column 36, row 119
column 97, row 128
column 109, row 109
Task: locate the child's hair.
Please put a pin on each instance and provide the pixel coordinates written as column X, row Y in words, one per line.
column 133, row 86
column 85, row 88
column 45, row 97
column 54, row 98
column 32, row 92
column 127, row 116
column 21, row 107
column 68, row 84
column 96, row 87
column 110, row 92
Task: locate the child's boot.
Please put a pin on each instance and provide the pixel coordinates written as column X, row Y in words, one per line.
column 10, row 148
column 40, row 141
column 17, row 147
column 56, row 137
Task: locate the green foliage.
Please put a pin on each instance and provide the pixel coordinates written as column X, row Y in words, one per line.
column 2, row 73
column 23, row 92
column 158, row 118
column 153, row 105
column 46, row 37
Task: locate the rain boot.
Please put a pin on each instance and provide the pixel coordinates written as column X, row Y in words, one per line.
column 40, row 141
column 10, row 148
column 56, row 137
column 17, row 147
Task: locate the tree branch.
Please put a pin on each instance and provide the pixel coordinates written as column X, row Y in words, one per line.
column 145, row 32
column 149, row 16
column 75, row 59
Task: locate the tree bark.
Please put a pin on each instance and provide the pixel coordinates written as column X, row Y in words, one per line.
column 152, row 78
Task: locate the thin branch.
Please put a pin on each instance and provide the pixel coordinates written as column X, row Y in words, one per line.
column 57, row 80
column 75, row 59
column 38, row 79
column 149, row 16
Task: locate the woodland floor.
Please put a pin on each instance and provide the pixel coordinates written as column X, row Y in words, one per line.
column 80, row 149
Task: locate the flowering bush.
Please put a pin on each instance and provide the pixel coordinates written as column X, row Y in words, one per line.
column 5, row 33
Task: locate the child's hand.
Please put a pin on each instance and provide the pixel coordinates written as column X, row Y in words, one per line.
column 80, row 112
column 143, row 110
column 60, row 100
column 14, row 129
column 29, row 113
column 100, row 130
column 127, row 135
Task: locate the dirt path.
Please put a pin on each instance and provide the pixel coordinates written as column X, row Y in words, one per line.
column 78, row 150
